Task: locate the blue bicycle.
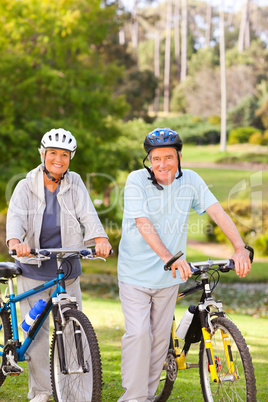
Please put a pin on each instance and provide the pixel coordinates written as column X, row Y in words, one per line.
column 75, row 362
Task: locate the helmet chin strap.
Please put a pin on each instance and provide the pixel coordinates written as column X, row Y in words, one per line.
column 152, row 176
column 50, row 177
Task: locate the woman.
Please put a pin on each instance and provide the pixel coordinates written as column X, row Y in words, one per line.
column 51, row 208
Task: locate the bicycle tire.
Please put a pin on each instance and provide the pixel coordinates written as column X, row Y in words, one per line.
column 5, row 335
column 242, row 389
column 85, row 386
column 167, row 379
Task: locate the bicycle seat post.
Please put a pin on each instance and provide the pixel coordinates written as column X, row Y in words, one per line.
column 11, row 286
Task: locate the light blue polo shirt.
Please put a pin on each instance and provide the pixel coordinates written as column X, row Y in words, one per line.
column 168, row 210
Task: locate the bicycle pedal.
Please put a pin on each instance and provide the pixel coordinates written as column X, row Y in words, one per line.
column 11, row 371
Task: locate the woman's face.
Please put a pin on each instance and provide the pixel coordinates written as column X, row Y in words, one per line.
column 57, row 161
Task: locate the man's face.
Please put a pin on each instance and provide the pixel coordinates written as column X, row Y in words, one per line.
column 164, row 163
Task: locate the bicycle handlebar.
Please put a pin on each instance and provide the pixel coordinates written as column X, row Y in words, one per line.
column 47, row 252
column 224, row 265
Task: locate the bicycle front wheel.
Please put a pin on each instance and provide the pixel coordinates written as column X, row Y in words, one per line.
column 239, row 385
column 83, row 380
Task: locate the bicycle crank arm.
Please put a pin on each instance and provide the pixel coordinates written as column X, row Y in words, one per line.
column 192, row 365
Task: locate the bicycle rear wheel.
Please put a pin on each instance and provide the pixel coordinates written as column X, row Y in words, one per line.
column 167, row 379
column 5, row 335
column 83, row 382
column 238, row 387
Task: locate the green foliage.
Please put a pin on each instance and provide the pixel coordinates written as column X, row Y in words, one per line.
column 261, row 243
column 251, row 221
column 255, row 138
column 244, row 114
column 240, row 135
column 265, row 138
column 262, row 112
column 215, row 120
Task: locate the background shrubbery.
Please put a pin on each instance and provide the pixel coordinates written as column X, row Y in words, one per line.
column 250, row 219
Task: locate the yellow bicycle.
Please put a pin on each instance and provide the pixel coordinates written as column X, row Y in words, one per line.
column 225, row 365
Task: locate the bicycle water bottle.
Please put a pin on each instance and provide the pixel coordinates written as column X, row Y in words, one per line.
column 33, row 314
column 185, row 322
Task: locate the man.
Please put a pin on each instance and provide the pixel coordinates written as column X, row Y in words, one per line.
column 156, row 211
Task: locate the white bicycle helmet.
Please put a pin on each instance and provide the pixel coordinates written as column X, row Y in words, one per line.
column 58, row 138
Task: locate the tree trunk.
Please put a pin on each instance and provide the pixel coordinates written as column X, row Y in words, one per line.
column 208, row 23
column 177, row 37
column 135, row 29
column 156, row 66
column 184, row 40
column 223, row 82
column 167, row 57
column 244, row 31
column 122, row 39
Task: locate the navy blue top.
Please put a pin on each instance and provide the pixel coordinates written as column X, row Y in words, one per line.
column 50, row 237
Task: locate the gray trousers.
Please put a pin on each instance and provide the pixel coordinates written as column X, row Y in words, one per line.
column 39, row 369
column 148, row 318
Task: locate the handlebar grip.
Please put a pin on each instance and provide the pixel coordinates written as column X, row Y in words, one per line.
column 14, row 252
column 173, row 259
column 230, row 264
column 251, row 252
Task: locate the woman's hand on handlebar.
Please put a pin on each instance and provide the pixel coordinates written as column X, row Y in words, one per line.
column 102, row 247
column 183, row 267
column 22, row 249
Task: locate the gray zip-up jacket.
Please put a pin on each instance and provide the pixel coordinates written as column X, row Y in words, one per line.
column 80, row 223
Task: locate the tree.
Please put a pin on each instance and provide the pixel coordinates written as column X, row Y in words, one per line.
column 167, row 57
column 184, row 26
column 244, row 31
column 223, row 83
column 53, row 73
column 177, row 37
column 208, row 24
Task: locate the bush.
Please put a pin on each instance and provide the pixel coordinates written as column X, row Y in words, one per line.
column 256, row 138
column 261, row 244
column 215, row 120
column 244, row 114
column 3, row 247
column 240, row 135
column 265, row 138
column 251, row 221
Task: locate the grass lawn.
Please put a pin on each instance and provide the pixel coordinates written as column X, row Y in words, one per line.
column 107, row 319
column 212, row 154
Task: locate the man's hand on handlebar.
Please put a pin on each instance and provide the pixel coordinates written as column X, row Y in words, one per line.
column 242, row 262
column 183, row 267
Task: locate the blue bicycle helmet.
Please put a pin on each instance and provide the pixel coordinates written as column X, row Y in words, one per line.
column 161, row 138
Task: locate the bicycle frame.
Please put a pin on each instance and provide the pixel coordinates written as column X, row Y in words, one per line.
column 206, row 301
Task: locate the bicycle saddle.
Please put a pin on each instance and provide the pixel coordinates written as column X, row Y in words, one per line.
column 9, row 269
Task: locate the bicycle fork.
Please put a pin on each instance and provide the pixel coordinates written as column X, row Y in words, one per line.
column 59, row 326
column 213, row 361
